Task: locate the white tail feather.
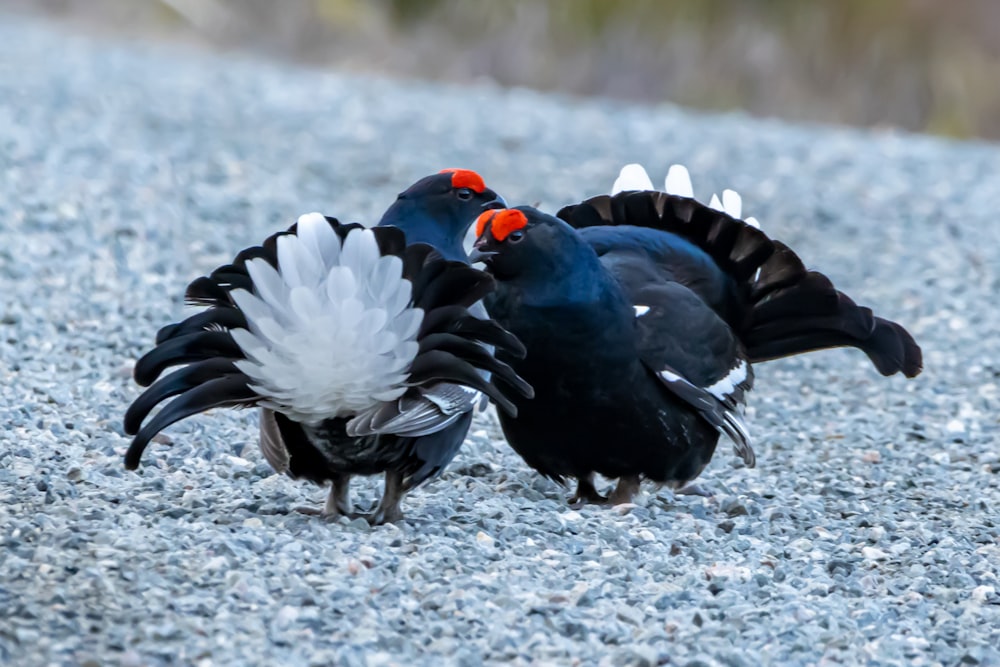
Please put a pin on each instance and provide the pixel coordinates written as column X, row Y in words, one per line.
column 632, row 177
column 331, row 332
column 732, row 203
column 678, row 181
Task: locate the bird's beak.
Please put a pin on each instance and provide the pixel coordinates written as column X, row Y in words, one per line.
column 497, row 202
column 478, row 255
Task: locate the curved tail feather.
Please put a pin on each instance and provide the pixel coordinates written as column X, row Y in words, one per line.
column 213, row 318
column 184, row 350
column 173, row 384
column 458, row 320
column 777, row 307
column 225, row 391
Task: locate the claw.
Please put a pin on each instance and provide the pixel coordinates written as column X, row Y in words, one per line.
column 586, row 493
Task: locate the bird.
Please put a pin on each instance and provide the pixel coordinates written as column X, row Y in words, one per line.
column 438, row 209
column 642, row 314
column 362, row 347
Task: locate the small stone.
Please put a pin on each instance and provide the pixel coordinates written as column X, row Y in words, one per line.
column 734, row 507
column 983, row 594
column 873, row 553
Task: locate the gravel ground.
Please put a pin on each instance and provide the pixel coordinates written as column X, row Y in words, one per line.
column 869, row 533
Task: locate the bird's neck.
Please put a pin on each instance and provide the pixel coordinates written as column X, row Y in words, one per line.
column 421, row 227
column 565, row 324
column 572, row 280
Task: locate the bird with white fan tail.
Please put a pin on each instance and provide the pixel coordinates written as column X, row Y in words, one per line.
column 360, row 348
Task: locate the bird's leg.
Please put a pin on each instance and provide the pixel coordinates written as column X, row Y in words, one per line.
column 388, row 508
column 625, row 490
column 338, row 502
column 586, row 493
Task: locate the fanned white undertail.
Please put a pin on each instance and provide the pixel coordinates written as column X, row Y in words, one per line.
column 331, row 331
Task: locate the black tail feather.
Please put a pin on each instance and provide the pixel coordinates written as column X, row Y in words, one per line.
column 458, row 320
column 735, row 246
column 226, row 391
column 475, row 354
column 204, row 291
column 213, row 318
column 781, row 269
column 890, row 347
column 441, row 366
column 460, row 284
column 173, row 384
column 811, row 295
column 796, row 311
column 183, row 350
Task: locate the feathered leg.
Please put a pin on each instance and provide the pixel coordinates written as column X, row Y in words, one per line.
column 388, row 508
column 586, row 492
column 625, row 490
column 338, row 502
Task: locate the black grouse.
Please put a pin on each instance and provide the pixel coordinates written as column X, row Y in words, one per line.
column 363, row 349
column 642, row 314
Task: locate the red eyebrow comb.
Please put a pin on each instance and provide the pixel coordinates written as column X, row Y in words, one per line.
column 465, row 178
column 504, row 222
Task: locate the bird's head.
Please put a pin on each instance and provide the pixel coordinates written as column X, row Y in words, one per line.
column 523, row 242
column 439, row 209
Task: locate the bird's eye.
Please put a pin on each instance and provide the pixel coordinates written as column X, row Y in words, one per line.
column 515, row 236
column 465, row 194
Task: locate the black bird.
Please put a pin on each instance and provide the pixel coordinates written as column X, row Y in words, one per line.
column 365, row 352
column 438, row 210
column 641, row 328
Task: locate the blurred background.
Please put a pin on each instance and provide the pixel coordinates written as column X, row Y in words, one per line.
column 922, row 65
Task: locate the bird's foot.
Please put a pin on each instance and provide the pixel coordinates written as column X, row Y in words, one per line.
column 338, row 502
column 695, row 490
column 625, row 490
column 586, row 493
column 383, row 515
column 323, row 512
column 388, row 508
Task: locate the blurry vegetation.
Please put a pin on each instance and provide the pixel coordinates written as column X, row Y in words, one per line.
column 923, row 65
